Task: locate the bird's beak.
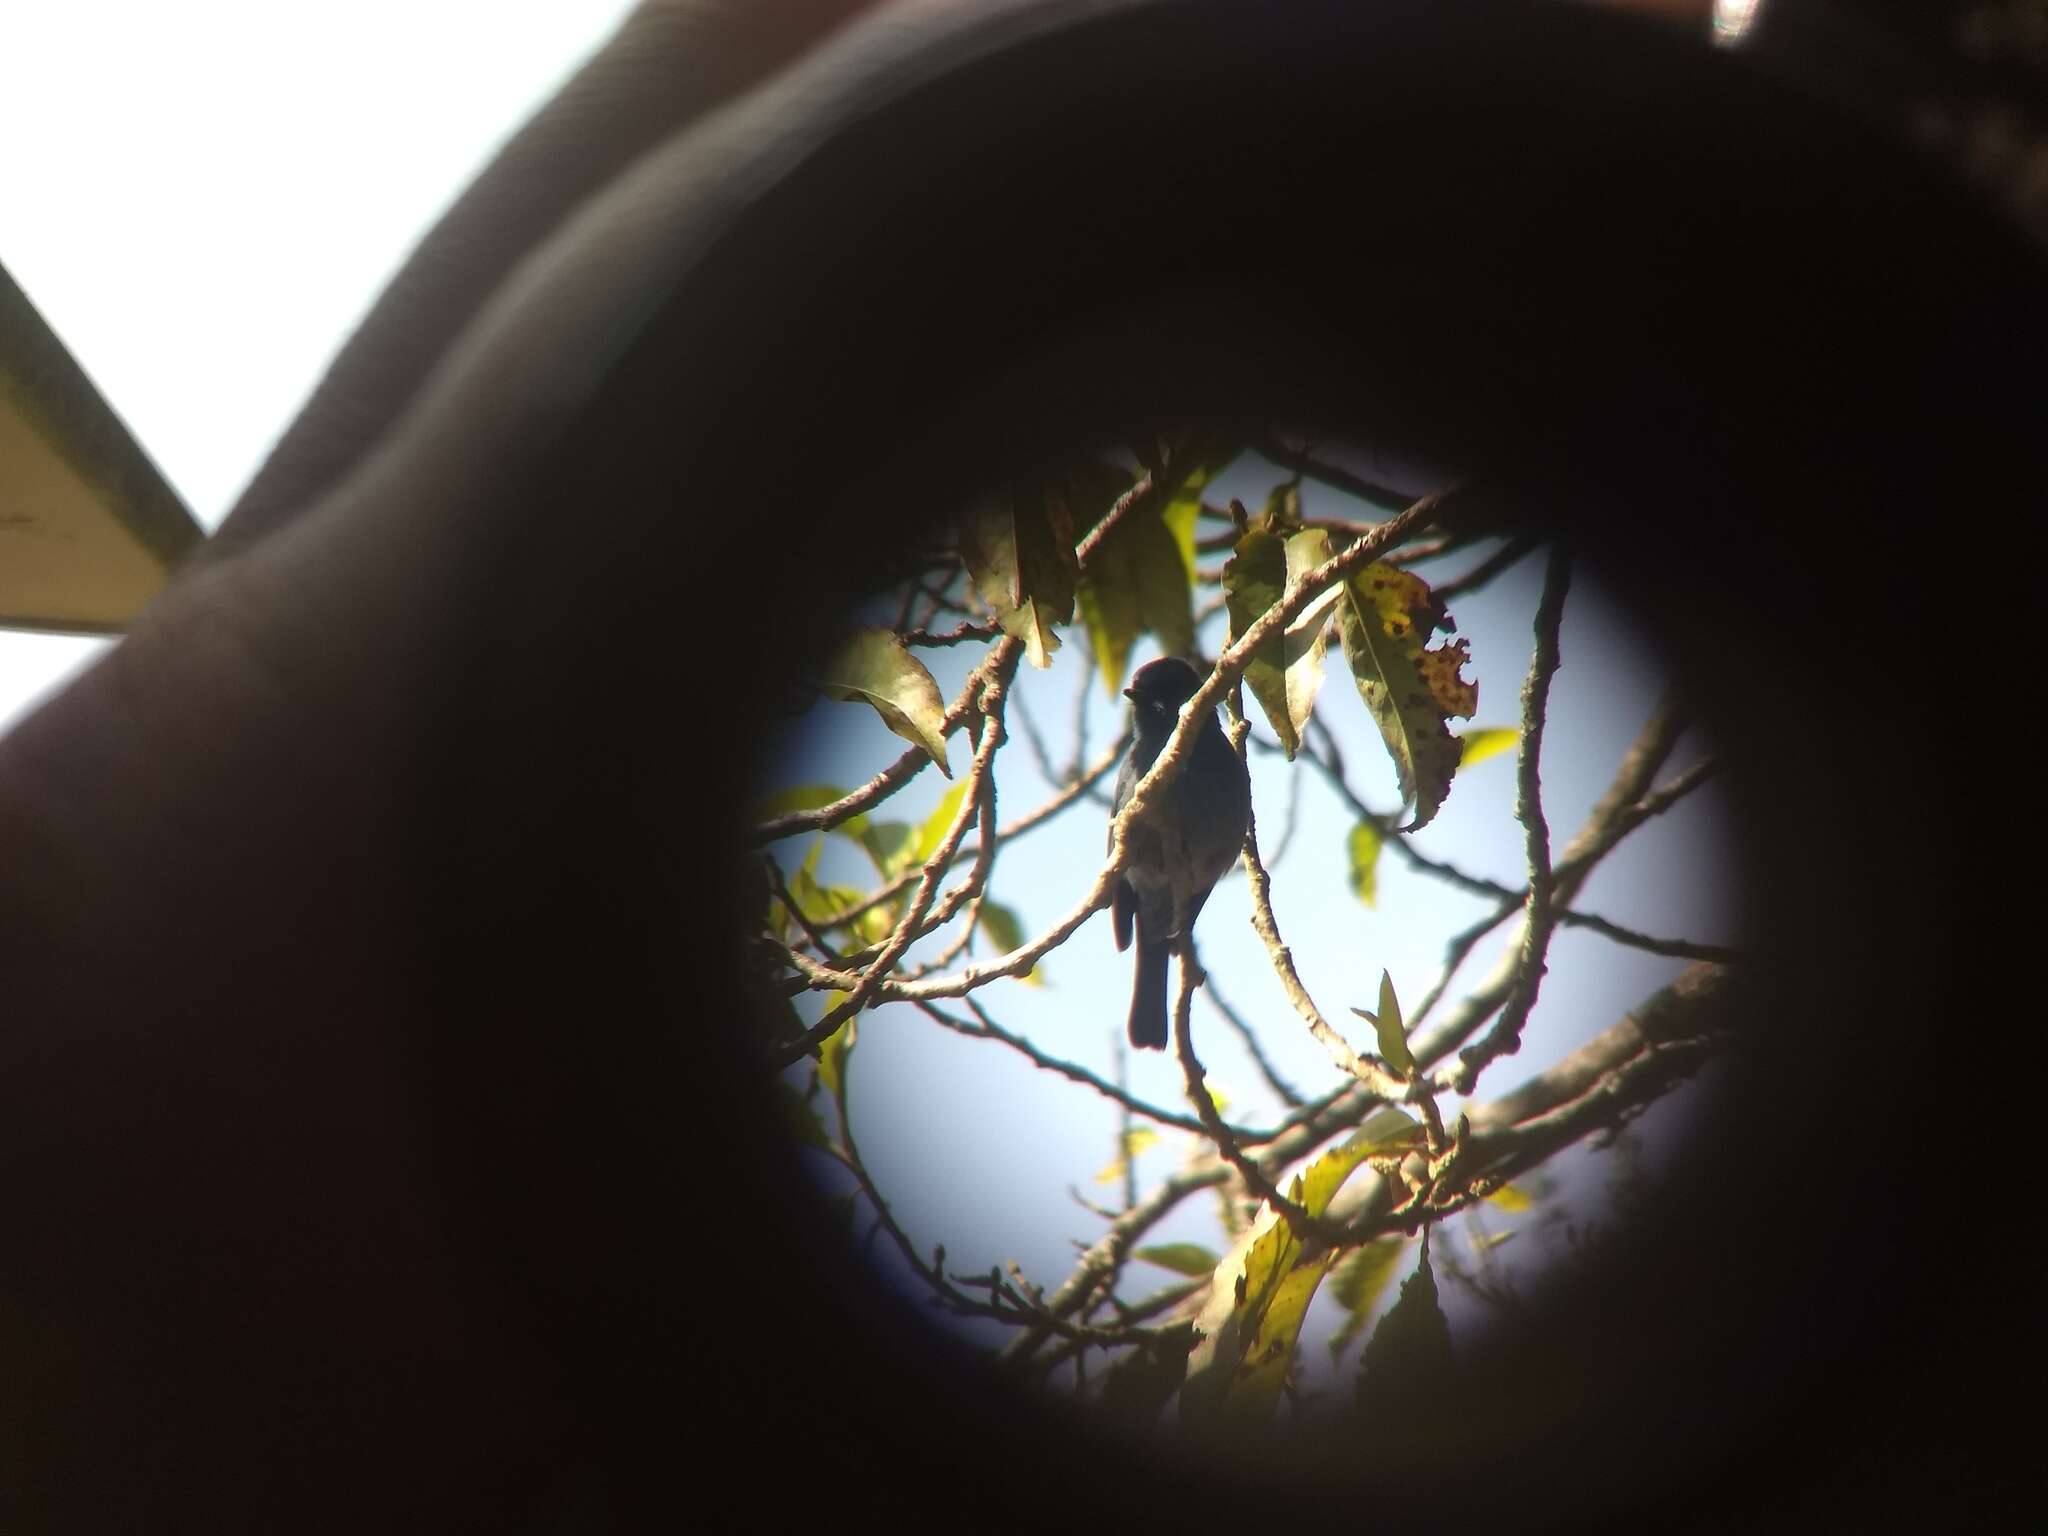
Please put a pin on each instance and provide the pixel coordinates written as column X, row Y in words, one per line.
column 1130, row 695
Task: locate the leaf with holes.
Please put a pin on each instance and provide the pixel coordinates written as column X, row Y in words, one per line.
column 1411, row 689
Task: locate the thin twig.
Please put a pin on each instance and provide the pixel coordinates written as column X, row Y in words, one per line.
column 1482, row 573
column 1204, row 1102
column 1378, row 496
column 1165, row 768
column 1096, row 771
column 1000, row 668
column 898, row 773
column 986, row 1028
column 1505, row 1037
column 1267, row 926
column 959, row 634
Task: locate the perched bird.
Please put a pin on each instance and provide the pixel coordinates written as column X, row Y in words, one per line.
column 1190, row 839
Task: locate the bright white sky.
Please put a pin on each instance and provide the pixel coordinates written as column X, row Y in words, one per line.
column 203, row 200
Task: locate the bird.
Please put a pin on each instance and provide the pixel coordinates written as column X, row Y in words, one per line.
column 1193, row 836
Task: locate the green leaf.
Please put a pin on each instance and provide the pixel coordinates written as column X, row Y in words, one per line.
column 823, row 904
column 1407, row 1368
column 1227, row 1327
column 1384, row 1132
column 1006, row 932
column 874, row 925
column 810, row 797
column 801, row 1120
column 874, row 667
column 1180, row 516
column 1412, row 691
column 934, row 828
column 1264, row 1371
column 1360, row 1279
column 1286, row 673
column 834, row 1050
column 1393, row 1034
column 1262, row 1290
column 890, row 844
column 1476, row 746
column 1139, row 580
column 1018, row 547
column 1190, row 1259
column 1205, row 459
column 1365, row 862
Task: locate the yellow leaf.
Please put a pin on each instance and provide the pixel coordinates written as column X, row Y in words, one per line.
column 1477, row 746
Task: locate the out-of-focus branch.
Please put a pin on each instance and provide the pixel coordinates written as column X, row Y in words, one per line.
column 1508, row 554
column 975, row 886
column 1378, row 496
column 1282, row 1089
column 985, row 1027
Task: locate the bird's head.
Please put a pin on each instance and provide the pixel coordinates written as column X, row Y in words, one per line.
column 1158, row 689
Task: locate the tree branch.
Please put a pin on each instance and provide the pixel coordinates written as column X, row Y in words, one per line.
column 999, row 669
column 1002, row 654
column 1506, row 1035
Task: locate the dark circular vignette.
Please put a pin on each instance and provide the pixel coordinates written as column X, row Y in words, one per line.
column 1636, row 288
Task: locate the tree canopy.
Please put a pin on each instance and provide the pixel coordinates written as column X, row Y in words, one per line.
column 1322, row 1191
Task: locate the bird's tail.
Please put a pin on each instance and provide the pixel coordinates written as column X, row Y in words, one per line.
column 1148, row 993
